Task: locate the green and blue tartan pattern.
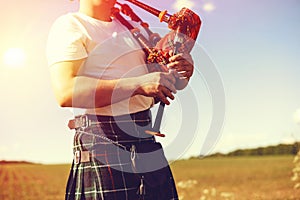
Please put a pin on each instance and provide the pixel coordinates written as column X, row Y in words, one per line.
column 109, row 174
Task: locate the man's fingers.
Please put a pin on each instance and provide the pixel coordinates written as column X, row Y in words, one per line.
column 182, row 57
column 176, row 57
column 163, row 98
column 185, row 74
column 164, row 93
column 168, row 93
column 180, row 66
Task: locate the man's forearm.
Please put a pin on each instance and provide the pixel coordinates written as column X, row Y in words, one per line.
column 94, row 93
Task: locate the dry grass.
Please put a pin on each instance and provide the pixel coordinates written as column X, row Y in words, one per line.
column 236, row 178
column 32, row 182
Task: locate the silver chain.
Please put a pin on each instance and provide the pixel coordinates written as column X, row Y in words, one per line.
column 104, row 138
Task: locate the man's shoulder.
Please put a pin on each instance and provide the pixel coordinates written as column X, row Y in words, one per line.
column 66, row 18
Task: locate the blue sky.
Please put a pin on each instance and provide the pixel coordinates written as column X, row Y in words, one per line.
column 253, row 45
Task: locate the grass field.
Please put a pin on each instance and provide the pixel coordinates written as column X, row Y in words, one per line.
column 231, row 178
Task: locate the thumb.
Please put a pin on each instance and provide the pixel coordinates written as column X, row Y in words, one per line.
column 171, row 52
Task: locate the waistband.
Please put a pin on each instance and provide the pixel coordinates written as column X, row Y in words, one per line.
column 124, row 128
column 84, row 121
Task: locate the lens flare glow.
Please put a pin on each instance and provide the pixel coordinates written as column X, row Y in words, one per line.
column 14, row 57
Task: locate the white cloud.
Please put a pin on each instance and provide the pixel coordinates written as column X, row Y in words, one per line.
column 297, row 116
column 208, row 6
column 183, row 3
column 230, row 142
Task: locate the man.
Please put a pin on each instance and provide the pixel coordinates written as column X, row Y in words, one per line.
column 98, row 69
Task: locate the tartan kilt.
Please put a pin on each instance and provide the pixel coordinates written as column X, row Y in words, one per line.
column 114, row 171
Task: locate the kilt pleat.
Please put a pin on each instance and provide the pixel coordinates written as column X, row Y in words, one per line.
column 110, row 174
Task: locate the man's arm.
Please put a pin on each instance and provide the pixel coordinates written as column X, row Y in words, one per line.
column 72, row 90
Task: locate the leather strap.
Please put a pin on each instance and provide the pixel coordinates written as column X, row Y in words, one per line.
column 81, row 121
column 71, row 124
column 82, row 156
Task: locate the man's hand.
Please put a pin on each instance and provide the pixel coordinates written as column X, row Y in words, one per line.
column 158, row 85
column 183, row 64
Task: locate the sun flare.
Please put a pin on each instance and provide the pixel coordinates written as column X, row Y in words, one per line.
column 14, row 57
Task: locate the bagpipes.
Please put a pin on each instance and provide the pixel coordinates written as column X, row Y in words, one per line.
column 184, row 26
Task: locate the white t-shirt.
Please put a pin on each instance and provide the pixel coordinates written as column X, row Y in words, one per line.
column 110, row 50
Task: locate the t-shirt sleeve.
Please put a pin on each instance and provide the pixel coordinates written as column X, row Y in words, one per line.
column 66, row 41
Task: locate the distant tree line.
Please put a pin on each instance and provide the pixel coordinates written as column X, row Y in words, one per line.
column 6, row 162
column 281, row 149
